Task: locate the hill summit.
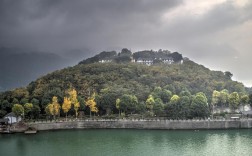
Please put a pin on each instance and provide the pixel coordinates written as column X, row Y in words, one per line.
column 147, row 57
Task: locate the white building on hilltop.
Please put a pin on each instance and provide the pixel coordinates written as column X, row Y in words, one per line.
column 168, row 60
column 105, row 60
column 146, row 61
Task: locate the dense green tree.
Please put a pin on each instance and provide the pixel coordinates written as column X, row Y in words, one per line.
column 250, row 99
column 157, row 93
column 170, row 87
column 224, row 97
column 15, row 101
column 35, row 111
column 128, row 103
column 158, row 107
column 46, row 98
column 166, row 95
column 215, row 98
column 173, row 107
column 20, row 93
column 234, row 100
column 18, row 110
column 107, row 100
column 6, row 106
column 175, row 99
column 244, row 100
column 2, row 113
column 150, row 103
column 185, row 103
column 35, row 101
column 28, row 108
column 228, row 74
column 185, row 93
column 126, row 51
column 23, row 101
column 199, row 106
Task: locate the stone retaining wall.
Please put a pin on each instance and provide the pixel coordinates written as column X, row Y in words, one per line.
column 144, row 124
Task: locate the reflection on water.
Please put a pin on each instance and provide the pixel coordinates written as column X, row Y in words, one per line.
column 128, row 142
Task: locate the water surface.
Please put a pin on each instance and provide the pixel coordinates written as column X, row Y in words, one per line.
column 123, row 142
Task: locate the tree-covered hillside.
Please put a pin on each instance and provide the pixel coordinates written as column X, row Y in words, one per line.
column 172, row 90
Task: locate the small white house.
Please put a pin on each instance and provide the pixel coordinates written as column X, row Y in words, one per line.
column 12, row 118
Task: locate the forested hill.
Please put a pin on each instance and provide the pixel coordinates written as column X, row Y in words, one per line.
column 114, row 80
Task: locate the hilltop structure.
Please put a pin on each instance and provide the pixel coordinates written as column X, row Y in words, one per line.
column 146, row 57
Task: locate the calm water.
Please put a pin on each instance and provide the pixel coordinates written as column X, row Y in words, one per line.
column 128, row 142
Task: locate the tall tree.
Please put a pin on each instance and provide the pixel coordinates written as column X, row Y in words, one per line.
column 250, row 99
column 35, row 111
column 73, row 98
column 53, row 108
column 174, row 107
column 107, row 99
column 18, row 110
column 224, row 97
column 92, row 104
column 244, row 100
column 28, row 107
column 150, row 103
column 234, row 100
column 215, row 100
column 166, row 96
column 128, row 103
column 174, row 99
column 200, row 106
column 118, row 105
column 185, row 103
column 15, row 101
column 66, row 106
column 158, row 107
column 35, row 101
column 228, row 74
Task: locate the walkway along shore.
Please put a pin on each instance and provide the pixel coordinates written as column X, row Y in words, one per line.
column 143, row 124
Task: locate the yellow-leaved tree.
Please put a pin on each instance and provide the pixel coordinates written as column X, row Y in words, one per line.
column 92, row 104
column 74, row 101
column 66, row 106
column 53, row 108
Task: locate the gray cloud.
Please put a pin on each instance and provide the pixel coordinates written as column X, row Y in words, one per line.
column 63, row 25
column 55, row 25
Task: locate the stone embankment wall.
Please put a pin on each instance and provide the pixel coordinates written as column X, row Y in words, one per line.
column 144, row 124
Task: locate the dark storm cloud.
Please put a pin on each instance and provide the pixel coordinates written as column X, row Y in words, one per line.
column 76, row 25
column 53, row 25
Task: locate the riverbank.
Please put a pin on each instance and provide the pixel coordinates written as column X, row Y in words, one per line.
column 144, row 124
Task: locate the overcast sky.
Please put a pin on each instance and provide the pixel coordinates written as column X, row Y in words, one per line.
column 215, row 33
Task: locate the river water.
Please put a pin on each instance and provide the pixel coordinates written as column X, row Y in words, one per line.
column 123, row 142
